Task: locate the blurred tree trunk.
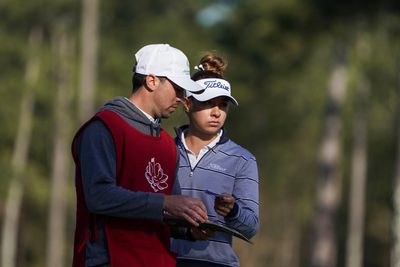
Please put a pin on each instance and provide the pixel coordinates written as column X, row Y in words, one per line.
column 328, row 189
column 358, row 180
column 395, row 253
column 61, row 159
column 20, row 153
column 89, row 44
column 355, row 229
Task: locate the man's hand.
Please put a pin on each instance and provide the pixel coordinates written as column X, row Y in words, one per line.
column 224, row 204
column 191, row 209
column 201, row 234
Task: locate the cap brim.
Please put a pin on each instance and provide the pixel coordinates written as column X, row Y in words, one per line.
column 207, row 95
column 186, row 83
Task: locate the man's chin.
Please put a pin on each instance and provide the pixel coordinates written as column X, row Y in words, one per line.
column 166, row 116
column 168, row 113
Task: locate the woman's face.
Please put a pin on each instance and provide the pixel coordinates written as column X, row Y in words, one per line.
column 207, row 118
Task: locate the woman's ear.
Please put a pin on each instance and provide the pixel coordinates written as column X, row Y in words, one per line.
column 186, row 104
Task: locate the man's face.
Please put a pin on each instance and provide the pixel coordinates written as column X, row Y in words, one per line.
column 167, row 98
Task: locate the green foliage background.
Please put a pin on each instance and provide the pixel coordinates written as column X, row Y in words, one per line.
column 280, row 55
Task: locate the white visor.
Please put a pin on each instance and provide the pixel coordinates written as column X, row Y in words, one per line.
column 213, row 87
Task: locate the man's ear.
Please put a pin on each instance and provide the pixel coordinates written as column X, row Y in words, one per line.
column 186, row 104
column 152, row 82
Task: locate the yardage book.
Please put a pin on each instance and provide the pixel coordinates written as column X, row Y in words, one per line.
column 214, row 226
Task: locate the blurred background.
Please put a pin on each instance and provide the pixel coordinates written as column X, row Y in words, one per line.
column 318, row 83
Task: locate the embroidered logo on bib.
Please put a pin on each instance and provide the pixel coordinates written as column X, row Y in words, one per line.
column 156, row 176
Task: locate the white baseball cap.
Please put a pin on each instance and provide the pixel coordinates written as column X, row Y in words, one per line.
column 167, row 61
column 213, row 87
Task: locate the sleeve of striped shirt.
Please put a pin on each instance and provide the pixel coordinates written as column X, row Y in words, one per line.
column 246, row 193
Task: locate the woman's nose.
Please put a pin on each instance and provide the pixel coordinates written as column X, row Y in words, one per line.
column 216, row 111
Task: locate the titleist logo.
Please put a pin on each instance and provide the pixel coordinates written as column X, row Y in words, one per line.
column 215, row 84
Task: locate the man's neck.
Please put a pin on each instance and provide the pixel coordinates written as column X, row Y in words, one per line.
column 140, row 104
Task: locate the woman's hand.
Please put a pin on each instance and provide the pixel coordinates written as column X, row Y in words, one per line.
column 224, row 204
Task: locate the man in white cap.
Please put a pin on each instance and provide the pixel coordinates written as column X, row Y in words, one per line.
column 126, row 166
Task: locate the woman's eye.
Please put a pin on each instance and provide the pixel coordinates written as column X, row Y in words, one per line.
column 205, row 103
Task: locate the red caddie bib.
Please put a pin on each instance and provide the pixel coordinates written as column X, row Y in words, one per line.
column 144, row 163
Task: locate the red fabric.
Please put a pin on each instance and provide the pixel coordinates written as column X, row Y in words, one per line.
column 144, row 163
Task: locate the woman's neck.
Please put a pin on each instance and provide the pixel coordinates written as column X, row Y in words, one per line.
column 195, row 142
